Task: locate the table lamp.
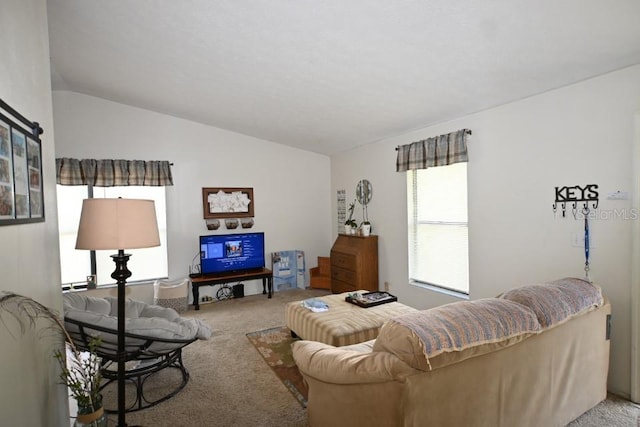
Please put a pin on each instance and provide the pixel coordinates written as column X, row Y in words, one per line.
column 118, row 224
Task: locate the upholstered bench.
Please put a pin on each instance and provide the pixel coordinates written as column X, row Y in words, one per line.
column 344, row 323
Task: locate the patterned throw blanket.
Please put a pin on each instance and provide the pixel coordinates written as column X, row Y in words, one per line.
column 558, row 301
column 454, row 327
column 510, row 317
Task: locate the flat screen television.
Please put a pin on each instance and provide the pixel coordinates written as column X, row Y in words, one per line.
column 227, row 253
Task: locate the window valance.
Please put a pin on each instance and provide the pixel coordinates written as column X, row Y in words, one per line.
column 436, row 151
column 113, row 173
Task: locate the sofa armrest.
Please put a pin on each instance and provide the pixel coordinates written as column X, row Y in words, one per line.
column 338, row 365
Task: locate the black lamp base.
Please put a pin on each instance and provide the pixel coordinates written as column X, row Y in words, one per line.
column 121, row 274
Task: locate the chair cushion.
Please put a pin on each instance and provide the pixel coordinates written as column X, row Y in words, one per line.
column 74, row 300
column 557, row 301
column 448, row 334
column 141, row 318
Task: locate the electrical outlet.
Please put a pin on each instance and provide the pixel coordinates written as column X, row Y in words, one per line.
column 386, row 286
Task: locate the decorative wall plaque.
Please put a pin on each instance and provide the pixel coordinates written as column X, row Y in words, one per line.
column 227, row 202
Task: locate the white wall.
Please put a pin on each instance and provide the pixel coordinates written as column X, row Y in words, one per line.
column 577, row 135
column 29, row 259
column 290, row 186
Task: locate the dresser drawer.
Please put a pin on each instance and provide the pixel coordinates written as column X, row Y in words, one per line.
column 343, row 275
column 354, row 263
column 343, row 260
column 338, row 287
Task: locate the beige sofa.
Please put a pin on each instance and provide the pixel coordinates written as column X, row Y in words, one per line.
column 537, row 355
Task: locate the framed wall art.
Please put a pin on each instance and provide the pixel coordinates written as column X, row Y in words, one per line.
column 227, row 202
column 21, row 185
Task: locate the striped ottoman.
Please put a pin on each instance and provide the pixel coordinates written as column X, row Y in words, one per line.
column 344, row 323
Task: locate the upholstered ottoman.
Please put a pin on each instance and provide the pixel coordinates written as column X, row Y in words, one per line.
column 344, row 323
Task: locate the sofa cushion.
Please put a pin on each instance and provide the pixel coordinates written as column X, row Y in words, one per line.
column 448, row 334
column 557, row 301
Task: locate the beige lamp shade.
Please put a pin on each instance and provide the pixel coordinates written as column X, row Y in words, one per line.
column 117, row 224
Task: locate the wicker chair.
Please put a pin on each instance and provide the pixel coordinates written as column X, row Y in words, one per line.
column 154, row 339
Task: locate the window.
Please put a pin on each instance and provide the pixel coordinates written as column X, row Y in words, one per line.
column 75, row 265
column 438, row 238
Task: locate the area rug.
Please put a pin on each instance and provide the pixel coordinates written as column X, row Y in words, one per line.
column 274, row 345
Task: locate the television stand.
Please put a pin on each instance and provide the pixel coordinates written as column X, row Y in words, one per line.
column 217, row 279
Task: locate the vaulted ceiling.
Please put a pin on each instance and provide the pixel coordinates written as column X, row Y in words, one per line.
column 330, row 75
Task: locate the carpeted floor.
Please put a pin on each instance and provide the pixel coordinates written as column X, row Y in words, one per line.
column 231, row 385
column 613, row 412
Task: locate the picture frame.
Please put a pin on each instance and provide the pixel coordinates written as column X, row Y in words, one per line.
column 21, row 183
column 227, row 202
column 92, row 281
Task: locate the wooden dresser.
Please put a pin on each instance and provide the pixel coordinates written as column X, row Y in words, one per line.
column 354, row 264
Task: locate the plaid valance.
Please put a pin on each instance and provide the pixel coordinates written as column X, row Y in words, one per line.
column 113, row 173
column 437, row 151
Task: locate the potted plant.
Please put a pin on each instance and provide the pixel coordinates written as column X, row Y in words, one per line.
column 364, row 192
column 80, row 371
column 365, row 228
column 350, row 224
